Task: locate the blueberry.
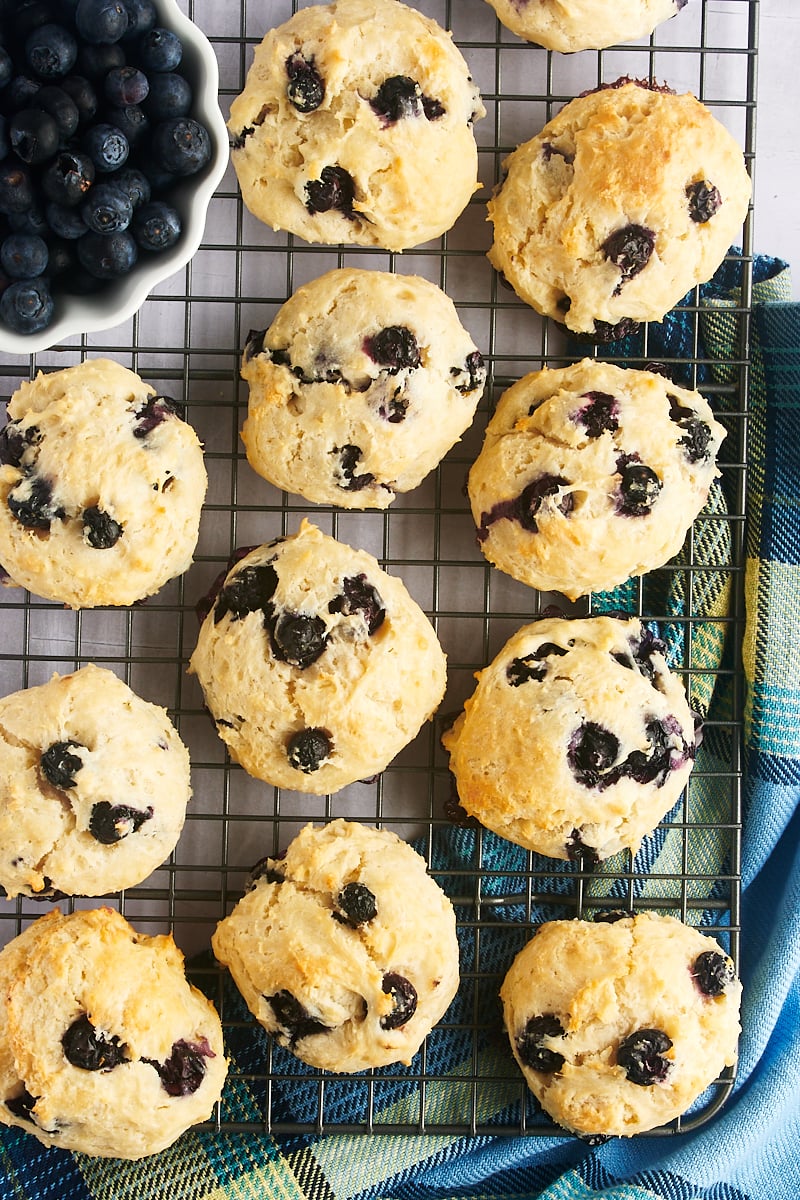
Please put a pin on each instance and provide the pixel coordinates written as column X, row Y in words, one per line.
column 16, row 187
column 22, row 1105
column 629, row 249
column 131, row 121
column 106, row 209
column 100, row 530
column 359, row 596
column 62, row 258
column 579, row 852
column 600, row 415
column 250, row 590
column 530, row 1048
column 704, row 200
column 181, row 145
column 475, row 370
column 394, row 347
column 101, row 20
column 154, row 411
column 51, row 51
column 639, row 487
column 90, row 1050
column 350, row 456
column 184, row 1071
column 305, row 88
column 107, row 147
column 23, row 255
column 404, row 997
column 96, row 60
column 156, row 226
column 107, row 256
column 531, row 666
column 65, row 222
column 663, row 756
column 298, row 638
column 264, row 869
column 591, row 751
column 59, row 765
column 134, row 183
column 334, row 190
column 83, row 94
column 61, row 107
column 401, row 96
column 159, row 50
column 125, row 85
column 170, row 95
column 68, row 178
column 142, row 17
column 605, row 332
column 309, row 749
column 27, row 307
column 31, row 500
column 677, row 412
column 641, row 1054
column 712, row 972
column 14, row 441
column 548, row 150
column 21, row 92
column 696, row 441
column 530, row 501
column 34, row 135
column 357, row 903
column 294, row 1020
column 6, row 67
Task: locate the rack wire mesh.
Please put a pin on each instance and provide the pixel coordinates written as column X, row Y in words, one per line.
column 186, row 340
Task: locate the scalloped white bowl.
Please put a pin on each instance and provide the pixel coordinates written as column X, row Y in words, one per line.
column 118, row 300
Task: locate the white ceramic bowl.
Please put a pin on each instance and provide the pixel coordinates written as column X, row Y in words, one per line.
column 119, row 299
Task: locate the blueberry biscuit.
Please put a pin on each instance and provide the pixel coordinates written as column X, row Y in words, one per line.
column 618, row 1027
column 577, row 739
column 569, row 25
column 359, row 388
column 101, row 487
column 95, row 787
column 345, row 949
column 624, row 202
column 317, row 666
column 355, row 125
column 591, row 474
column 105, row 1048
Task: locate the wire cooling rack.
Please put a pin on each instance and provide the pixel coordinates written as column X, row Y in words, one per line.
column 186, row 341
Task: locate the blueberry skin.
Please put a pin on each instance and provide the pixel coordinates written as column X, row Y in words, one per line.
column 84, row 95
column 159, row 50
column 170, row 95
column 131, row 121
column 65, row 222
column 142, row 17
column 156, row 226
column 16, row 187
column 51, row 51
column 95, row 61
column 88, row 1049
column 107, row 209
column 68, row 178
column 125, row 85
column 181, row 145
column 61, row 107
column 107, row 256
column 135, row 184
column 101, row 20
column 23, row 255
column 34, row 136
column 107, row 147
column 305, row 88
column 27, row 306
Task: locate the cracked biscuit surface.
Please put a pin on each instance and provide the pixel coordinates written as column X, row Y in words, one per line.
column 628, row 198
column 570, row 25
column 619, row 1026
column 591, row 474
column 345, row 948
column 101, row 487
column 577, row 739
column 316, row 665
column 95, row 787
column 355, row 125
column 105, row 1048
column 359, row 388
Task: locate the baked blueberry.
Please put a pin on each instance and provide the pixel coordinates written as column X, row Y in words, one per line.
column 600, row 415
column 359, row 596
column 592, row 751
column 534, row 495
column 22, row 1105
column 349, row 457
column 531, row 666
column 612, row 915
column 305, row 88
column 712, row 972
column 183, row 1072
column 31, row 500
column 630, row 250
column 530, row 1048
column 639, row 487
column 394, row 348
column 59, row 765
column 153, row 412
column 309, row 749
column 404, row 997
column 333, row 191
column 475, row 371
column 89, row 1049
column 357, row 903
column 264, row 869
column 401, row 96
column 298, row 638
column 641, row 1055
column 295, row 1021
column 704, row 200
column 14, row 441
column 100, row 530
column 110, row 823
column 578, row 852
column 251, row 589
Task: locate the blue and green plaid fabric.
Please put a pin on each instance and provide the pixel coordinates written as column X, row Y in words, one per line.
column 752, row 1148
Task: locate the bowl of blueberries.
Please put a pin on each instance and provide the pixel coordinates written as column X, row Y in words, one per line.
column 112, row 144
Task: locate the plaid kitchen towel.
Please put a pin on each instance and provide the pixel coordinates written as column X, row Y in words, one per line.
column 751, row 1149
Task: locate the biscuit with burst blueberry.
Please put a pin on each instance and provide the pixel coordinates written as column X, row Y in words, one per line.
column 619, row 1026
column 345, row 948
column 570, row 25
column 105, row 1048
column 359, row 388
column 628, row 198
column 316, row 665
column 95, row 787
column 101, row 487
column 355, row 126
column 591, row 474
column 577, row 739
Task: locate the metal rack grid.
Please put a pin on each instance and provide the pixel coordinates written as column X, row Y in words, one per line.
column 186, row 341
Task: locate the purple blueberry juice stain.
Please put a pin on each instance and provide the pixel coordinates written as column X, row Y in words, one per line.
column 153, row 413
column 184, row 1071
